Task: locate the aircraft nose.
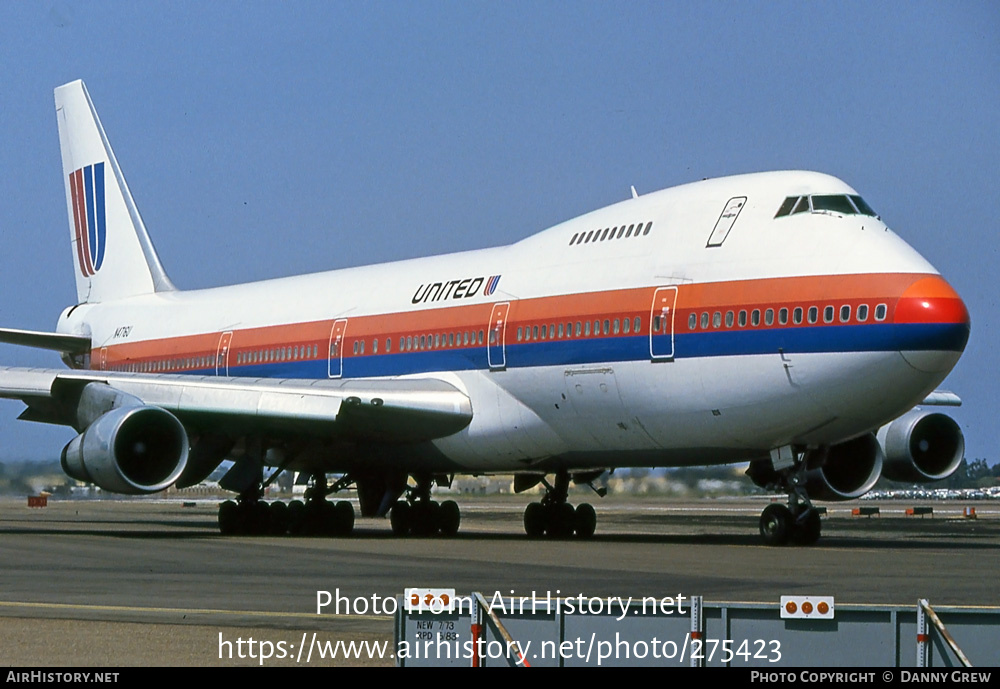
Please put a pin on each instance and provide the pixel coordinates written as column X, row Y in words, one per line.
column 934, row 325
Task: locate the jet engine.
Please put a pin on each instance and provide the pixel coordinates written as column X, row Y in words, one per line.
column 845, row 471
column 132, row 450
column 922, row 446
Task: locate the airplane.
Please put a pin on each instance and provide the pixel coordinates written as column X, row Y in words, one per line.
column 771, row 318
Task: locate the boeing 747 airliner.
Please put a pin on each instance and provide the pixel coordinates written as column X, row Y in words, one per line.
column 771, row 318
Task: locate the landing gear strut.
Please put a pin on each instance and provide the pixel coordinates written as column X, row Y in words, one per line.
column 418, row 515
column 798, row 523
column 555, row 517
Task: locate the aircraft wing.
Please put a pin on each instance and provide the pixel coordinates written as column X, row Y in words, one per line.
column 389, row 411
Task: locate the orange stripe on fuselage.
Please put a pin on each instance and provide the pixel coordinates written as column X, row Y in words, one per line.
column 774, row 293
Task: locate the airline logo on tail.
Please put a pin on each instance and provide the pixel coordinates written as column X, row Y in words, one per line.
column 87, row 186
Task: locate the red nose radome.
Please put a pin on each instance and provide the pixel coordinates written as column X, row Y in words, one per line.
column 941, row 324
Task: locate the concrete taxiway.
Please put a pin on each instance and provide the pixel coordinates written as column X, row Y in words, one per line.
column 152, row 582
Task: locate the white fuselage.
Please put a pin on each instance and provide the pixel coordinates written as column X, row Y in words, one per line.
column 685, row 288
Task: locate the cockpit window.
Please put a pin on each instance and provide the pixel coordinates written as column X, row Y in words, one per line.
column 786, row 207
column 831, row 203
column 863, row 207
column 836, row 204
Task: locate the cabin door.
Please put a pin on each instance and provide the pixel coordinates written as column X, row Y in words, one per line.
column 337, row 333
column 222, row 354
column 661, row 324
column 495, row 341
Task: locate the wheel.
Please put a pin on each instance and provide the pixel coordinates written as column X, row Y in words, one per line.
column 775, row 524
column 345, row 518
column 279, row 518
column 296, row 516
column 534, row 520
column 449, row 518
column 806, row 528
column 585, row 521
column 330, row 522
column 399, row 518
column 229, row 518
column 562, row 518
column 258, row 516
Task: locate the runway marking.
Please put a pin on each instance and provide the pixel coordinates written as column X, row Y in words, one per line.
column 185, row 611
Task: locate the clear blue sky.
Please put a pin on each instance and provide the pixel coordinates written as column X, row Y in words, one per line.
column 268, row 139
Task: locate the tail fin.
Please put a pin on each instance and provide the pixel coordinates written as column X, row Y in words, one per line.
column 113, row 255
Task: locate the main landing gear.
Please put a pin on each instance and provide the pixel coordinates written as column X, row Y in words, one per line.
column 250, row 515
column 418, row 515
column 555, row 517
column 798, row 523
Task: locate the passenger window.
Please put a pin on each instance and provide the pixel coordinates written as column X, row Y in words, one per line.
column 813, row 314
column 880, row 312
column 597, row 328
column 534, row 332
column 828, row 314
column 616, row 327
column 586, row 329
column 607, row 327
column 783, row 316
column 692, row 321
column 578, row 328
column 717, row 319
column 637, row 324
column 863, row 313
column 730, row 318
column 743, row 318
column 561, row 331
column 769, row 317
column 520, row 334
column 573, row 241
column 797, row 315
column 704, row 320
column 649, row 226
column 755, row 318
column 552, row 331
column 845, row 313
column 627, row 326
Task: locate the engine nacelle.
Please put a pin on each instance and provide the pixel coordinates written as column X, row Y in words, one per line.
column 849, row 470
column 132, row 450
column 922, row 446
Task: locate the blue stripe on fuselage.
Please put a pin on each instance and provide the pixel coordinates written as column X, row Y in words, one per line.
column 872, row 337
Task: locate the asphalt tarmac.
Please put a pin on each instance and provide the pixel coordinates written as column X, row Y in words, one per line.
column 151, row 582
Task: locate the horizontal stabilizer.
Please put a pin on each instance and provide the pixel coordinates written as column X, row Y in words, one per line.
column 70, row 344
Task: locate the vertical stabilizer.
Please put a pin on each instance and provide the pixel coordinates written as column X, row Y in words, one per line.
column 112, row 254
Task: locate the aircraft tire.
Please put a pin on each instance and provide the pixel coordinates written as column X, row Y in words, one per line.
column 776, row 524
column 296, row 517
column 449, row 518
column 229, row 518
column 534, row 520
column 279, row 518
column 585, row 520
column 399, row 518
column 345, row 518
column 807, row 531
column 561, row 520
